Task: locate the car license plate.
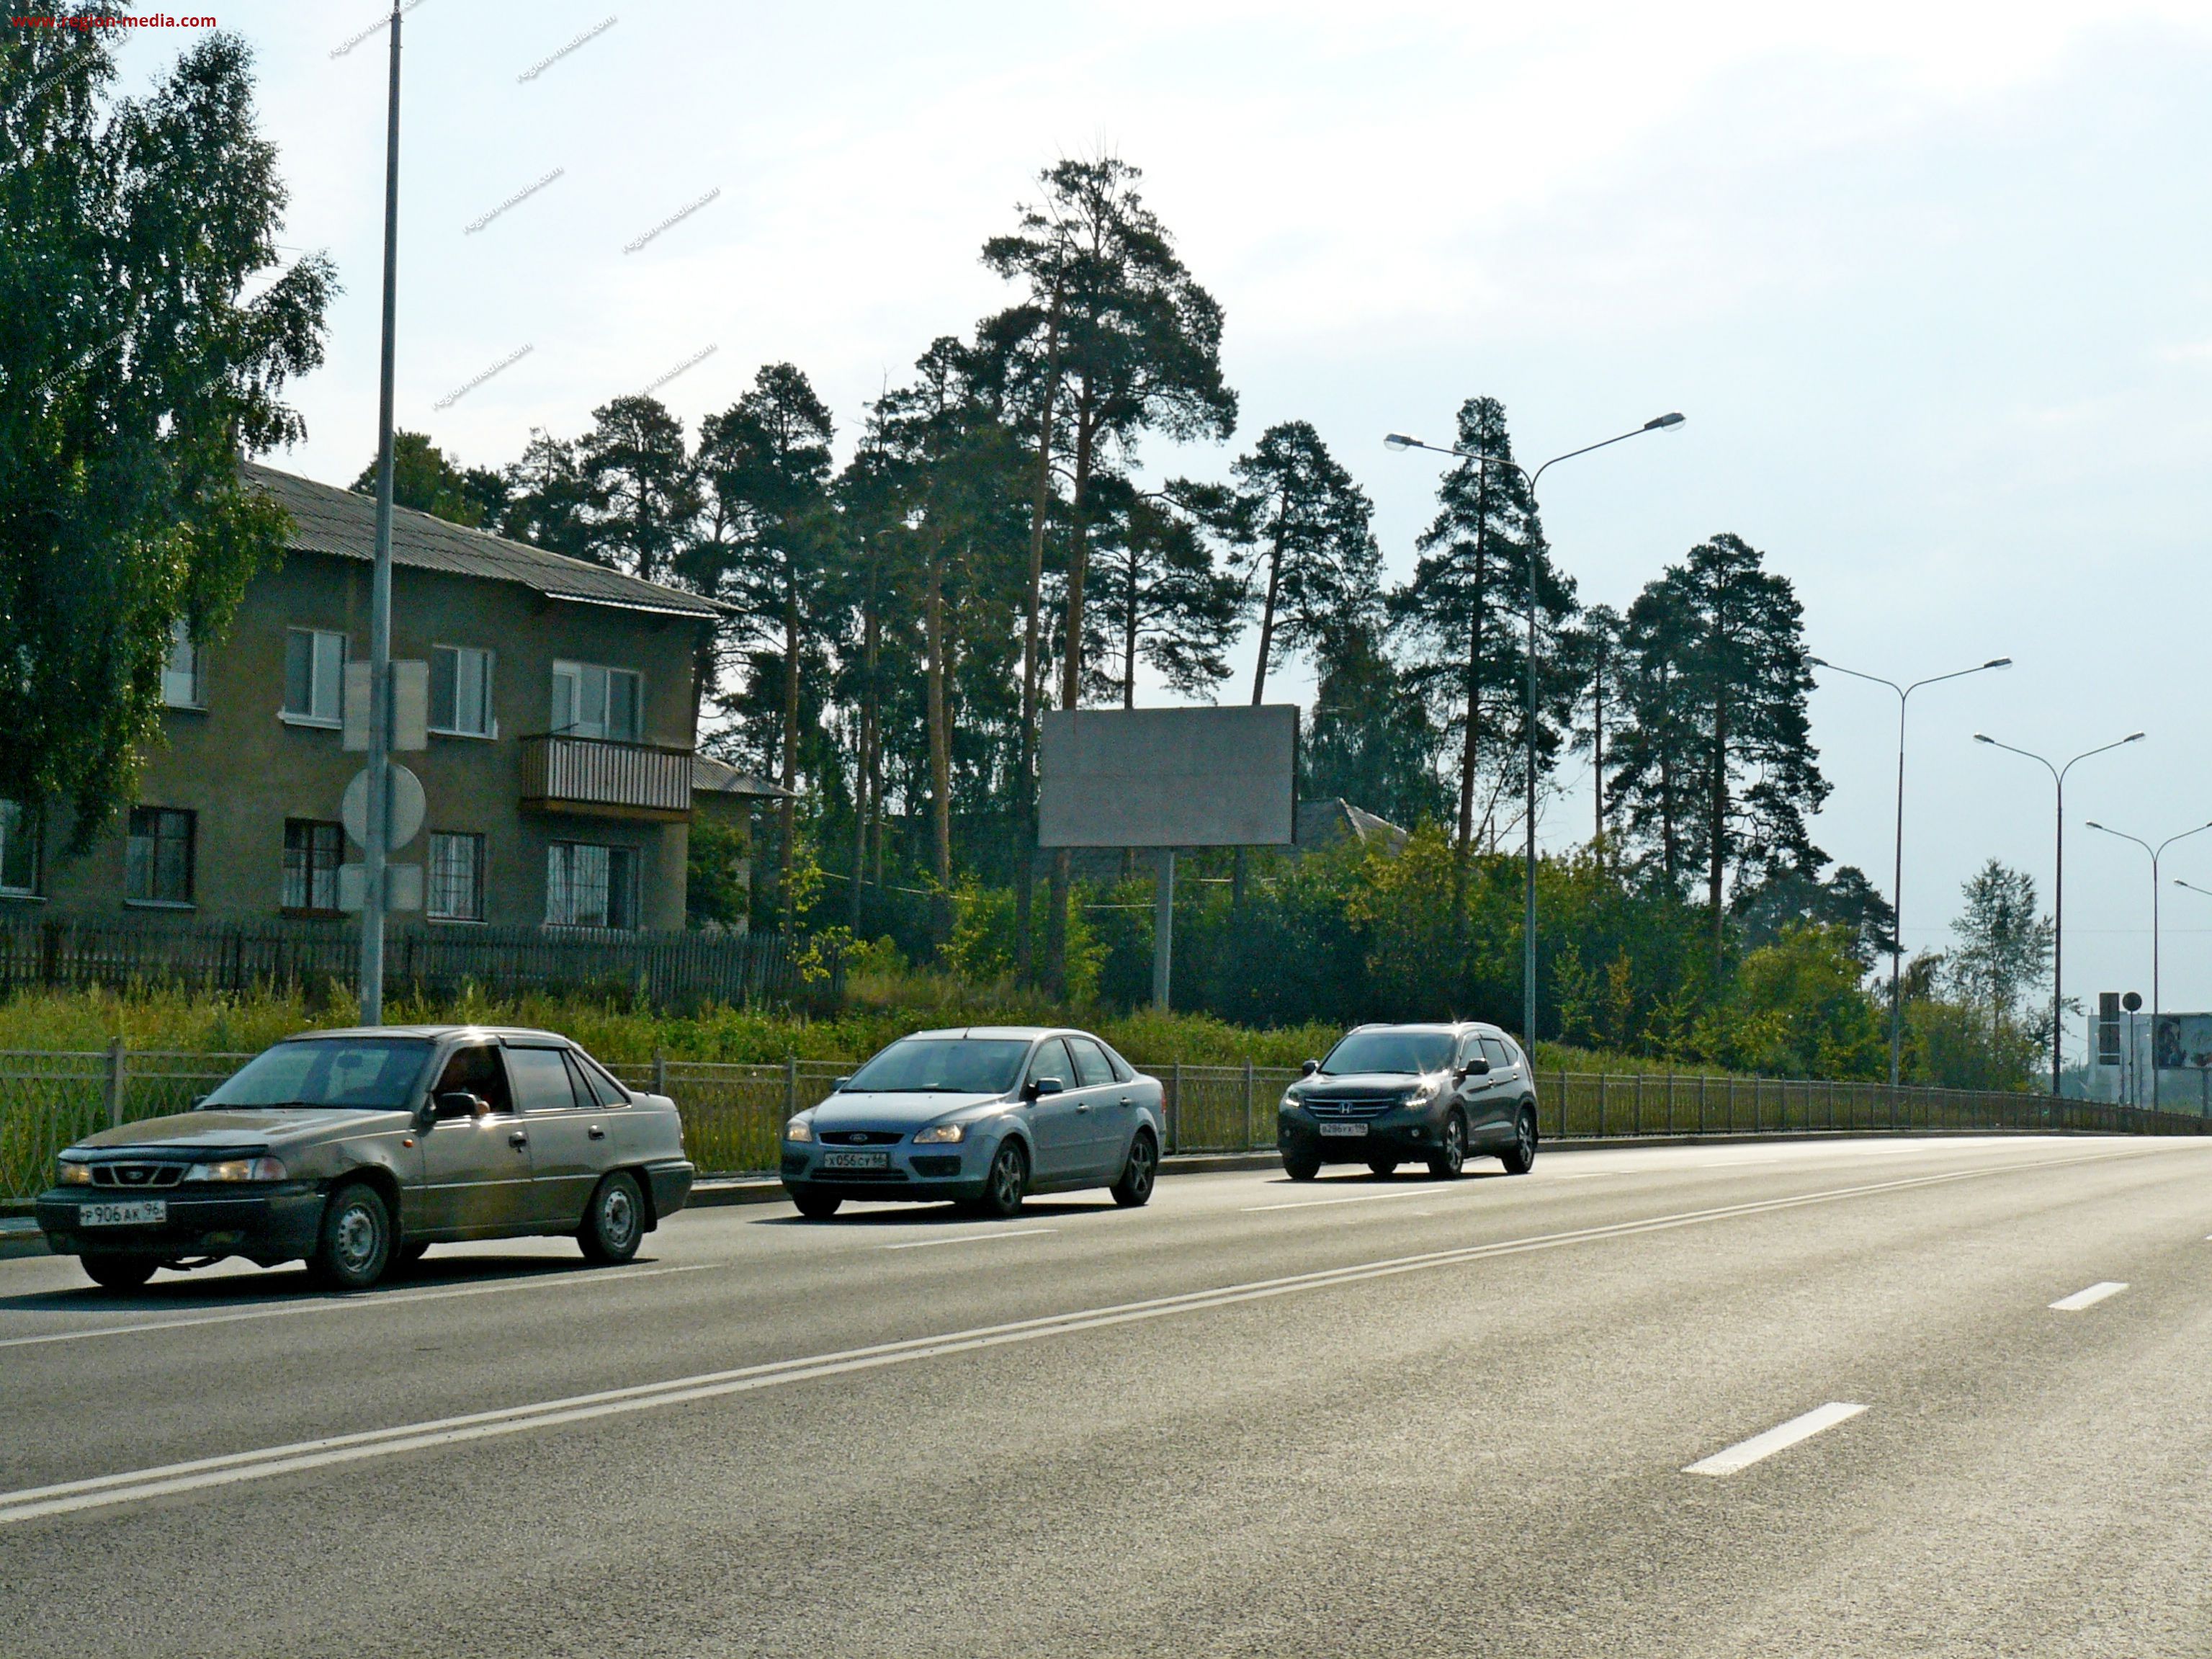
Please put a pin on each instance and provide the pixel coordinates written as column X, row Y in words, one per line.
column 1343, row 1128
column 856, row 1160
column 148, row 1212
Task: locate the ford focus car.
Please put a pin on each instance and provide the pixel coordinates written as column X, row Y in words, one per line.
column 981, row 1116
column 355, row 1150
column 1388, row 1095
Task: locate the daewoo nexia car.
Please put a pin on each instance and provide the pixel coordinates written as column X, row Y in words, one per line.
column 355, row 1150
column 982, row 1117
column 1388, row 1095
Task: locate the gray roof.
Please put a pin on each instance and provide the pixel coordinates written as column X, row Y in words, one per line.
column 713, row 777
column 328, row 519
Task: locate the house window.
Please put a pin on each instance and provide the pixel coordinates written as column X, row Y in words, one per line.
column 591, row 701
column 157, row 864
column 19, row 849
column 588, row 886
column 183, row 682
column 312, row 853
column 315, row 671
column 457, row 878
column 460, row 691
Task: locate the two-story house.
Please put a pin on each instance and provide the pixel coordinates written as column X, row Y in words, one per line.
column 558, row 782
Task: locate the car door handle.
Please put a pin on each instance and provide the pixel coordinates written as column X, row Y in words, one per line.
column 1125, row 1100
column 1082, row 1105
column 517, row 1139
column 597, row 1133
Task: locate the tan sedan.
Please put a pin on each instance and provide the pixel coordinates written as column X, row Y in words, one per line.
column 357, row 1150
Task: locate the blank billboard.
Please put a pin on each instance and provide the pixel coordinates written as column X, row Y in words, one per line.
column 1168, row 777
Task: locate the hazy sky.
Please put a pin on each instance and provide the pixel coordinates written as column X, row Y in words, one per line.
column 1930, row 281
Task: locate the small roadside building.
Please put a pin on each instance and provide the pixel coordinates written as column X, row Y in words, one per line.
column 560, row 778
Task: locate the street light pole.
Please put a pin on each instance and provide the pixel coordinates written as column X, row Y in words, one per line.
column 1399, row 440
column 373, row 847
column 2058, row 884
column 1897, row 870
column 2154, row 852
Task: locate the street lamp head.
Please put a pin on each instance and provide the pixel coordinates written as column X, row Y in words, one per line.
column 1998, row 662
column 1818, row 662
column 2093, row 824
column 1662, row 422
column 1399, row 440
column 1983, row 736
column 2133, row 736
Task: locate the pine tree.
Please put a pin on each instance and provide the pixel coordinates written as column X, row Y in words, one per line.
column 640, row 490
column 1130, row 343
column 1718, row 757
column 424, row 479
column 763, row 467
column 1370, row 741
column 2004, row 945
column 1463, row 611
column 1162, row 595
column 1311, row 559
column 547, row 502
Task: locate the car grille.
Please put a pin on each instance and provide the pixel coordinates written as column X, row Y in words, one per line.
column 136, row 1177
column 844, row 1175
column 862, row 1138
column 1352, row 1106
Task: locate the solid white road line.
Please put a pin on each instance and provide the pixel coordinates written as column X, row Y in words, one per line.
column 972, row 1238
column 1361, row 1198
column 583, row 1276
column 2088, row 1298
column 1745, row 1453
column 132, row 1485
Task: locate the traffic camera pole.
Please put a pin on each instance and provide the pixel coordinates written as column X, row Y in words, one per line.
column 380, row 609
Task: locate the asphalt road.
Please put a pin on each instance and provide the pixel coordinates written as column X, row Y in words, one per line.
column 1355, row 1416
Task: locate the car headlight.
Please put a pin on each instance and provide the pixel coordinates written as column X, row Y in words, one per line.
column 1420, row 1097
column 798, row 1129
column 940, row 1135
column 239, row 1169
column 1290, row 1103
column 74, row 1171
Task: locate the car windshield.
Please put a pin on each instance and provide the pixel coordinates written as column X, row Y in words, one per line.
column 943, row 1066
column 363, row 1074
column 1411, row 1052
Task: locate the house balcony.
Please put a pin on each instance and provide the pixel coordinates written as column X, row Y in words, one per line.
column 597, row 778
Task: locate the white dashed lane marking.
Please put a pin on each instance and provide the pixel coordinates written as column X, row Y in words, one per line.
column 1745, row 1453
column 2088, row 1298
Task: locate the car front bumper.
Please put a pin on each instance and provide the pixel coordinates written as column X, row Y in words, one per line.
column 1403, row 1133
column 936, row 1176
column 264, row 1227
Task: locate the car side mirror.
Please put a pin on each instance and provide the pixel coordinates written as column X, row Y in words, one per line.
column 1476, row 1067
column 199, row 1103
column 459, row 1103
column 1309, row 1068
column 839, row 1084
column 1041, row 1086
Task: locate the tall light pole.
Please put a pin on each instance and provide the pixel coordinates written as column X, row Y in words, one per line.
column 1399, row 440
column 2058, row 883
column 379, row 816
column 1897, row 874
column 2154, row 852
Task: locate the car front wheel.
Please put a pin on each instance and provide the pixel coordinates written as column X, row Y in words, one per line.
column 1450, row 1156
column 1008, row 1181
column 615, row 1222
column 816, row 1206
column 355, row 1246
column 1301, row 1166
column 118, row 1272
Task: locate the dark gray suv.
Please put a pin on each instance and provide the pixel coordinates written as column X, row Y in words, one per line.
column 1388, row 1095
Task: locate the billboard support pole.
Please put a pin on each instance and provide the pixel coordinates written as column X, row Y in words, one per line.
column 1163, row 929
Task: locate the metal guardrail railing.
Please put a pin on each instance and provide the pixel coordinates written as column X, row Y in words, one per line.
column 733, row 1114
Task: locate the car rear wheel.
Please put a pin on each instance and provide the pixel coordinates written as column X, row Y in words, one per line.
column 816, row 1206
column 1301, row 1166
column 1520, row 1156
column 410, row 1252
column 1009, row 1180
column 355, row 1246
column 1450, row 1156
column 614, row 1222
column 1385, row 1167
column 118, row 1272
column 1134, row 1188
